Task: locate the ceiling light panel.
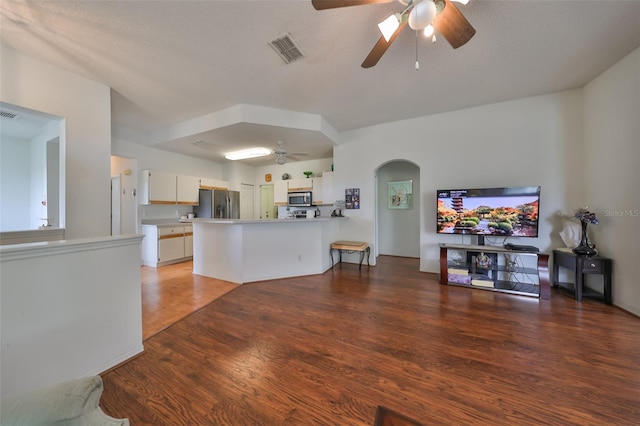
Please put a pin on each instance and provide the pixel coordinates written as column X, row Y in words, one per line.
column 248, row 153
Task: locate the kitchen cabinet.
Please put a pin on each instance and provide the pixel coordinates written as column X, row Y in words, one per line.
column 188, row 241
column 316, row 191
column 280, row 191
column 207, row 183
column 164, row 244
column 328, row 196
column 158, row 188
column 187, row 190
column 168, row 188
column 305, row 184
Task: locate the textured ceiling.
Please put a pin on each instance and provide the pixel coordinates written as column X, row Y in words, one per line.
column 172, row 61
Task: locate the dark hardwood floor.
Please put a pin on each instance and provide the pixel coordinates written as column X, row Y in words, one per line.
column 328, row 349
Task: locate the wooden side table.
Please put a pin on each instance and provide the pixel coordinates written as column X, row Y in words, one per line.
column 581, row 266
column 350, row 247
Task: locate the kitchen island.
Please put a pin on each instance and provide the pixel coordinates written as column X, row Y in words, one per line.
column 242, row 251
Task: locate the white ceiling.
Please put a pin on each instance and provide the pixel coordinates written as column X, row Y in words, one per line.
column 168, row 62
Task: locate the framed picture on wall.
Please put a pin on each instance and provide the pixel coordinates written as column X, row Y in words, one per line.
column 352, row 198
column 400, row 194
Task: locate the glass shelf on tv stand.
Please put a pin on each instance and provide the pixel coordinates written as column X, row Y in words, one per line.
column 528, row 280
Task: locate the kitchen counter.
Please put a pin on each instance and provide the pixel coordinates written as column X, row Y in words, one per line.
column 246, row 250
column 264, row 221
column 163, row 222
column 166, row 241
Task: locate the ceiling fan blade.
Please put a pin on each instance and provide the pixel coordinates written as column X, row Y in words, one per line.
column 381, row 46
column 453, row 26
column 333, row 4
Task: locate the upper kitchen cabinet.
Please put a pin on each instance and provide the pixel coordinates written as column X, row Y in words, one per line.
column 327, row 188
column 316, row 191
column 305, row 184
column 280, row 190
column 168, row 188
column 187, row 190
column 158, row 188
column 206, row 183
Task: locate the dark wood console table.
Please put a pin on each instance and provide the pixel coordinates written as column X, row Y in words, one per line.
column 581, row 266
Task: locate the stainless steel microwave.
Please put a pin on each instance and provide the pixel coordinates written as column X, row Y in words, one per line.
column 299, row 199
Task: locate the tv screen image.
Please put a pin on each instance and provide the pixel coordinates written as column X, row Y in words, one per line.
column 508, row 212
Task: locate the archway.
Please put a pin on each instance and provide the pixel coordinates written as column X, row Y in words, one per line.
column 398, row 209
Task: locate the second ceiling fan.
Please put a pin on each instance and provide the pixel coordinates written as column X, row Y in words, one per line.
column 442, row 15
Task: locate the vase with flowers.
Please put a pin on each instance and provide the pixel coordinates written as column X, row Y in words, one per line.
column 586, row 247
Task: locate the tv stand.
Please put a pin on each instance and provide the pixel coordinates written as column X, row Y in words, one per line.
column 527, row 274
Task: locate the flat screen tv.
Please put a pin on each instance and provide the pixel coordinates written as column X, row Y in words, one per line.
column 500, row 212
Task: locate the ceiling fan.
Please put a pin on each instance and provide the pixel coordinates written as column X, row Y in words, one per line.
column 281, row 153
column 441, row 15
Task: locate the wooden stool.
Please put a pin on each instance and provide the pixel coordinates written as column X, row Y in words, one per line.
column 350, row 247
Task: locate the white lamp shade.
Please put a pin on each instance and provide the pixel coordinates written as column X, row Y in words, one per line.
column 422, row 14
column 389, row 26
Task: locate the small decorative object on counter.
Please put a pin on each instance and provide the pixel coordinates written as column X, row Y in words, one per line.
column 339, row 206
column 286, row 176
column 307, row 174
column 586, row 247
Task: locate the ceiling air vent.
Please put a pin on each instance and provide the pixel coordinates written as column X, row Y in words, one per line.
column 286, row 48
column 203, row 144
column 10, row 115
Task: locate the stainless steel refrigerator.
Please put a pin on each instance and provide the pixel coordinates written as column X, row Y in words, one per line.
column 218, row 204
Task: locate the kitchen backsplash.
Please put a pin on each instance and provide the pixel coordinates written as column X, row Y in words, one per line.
column 161, row 211
column 285, row 211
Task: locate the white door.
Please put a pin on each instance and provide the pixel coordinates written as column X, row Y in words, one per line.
column 126, row 168
column 267, row 209
column 246, row 201
column 115, row 205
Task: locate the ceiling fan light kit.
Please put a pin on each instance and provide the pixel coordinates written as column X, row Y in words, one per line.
column 389, row 26
column 422, row 14
column 427, row 15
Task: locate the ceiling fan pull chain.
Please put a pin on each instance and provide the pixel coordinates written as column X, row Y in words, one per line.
column 417, row 63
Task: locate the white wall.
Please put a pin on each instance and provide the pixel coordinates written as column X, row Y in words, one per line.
column 130, row 143
column 86, row 318
column 86, row 108
column 612, row 178
column 45, row 162
column 294, row 169
column 526, row 142
column 15, row 184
